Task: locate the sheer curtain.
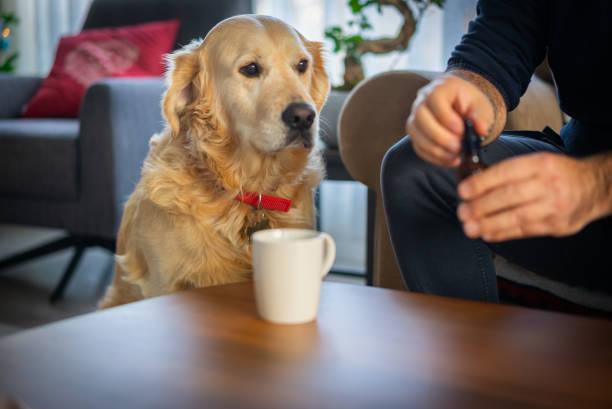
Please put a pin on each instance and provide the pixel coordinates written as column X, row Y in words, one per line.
column 42, row 23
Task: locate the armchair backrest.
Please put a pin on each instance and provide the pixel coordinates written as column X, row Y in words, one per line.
column 197, row 17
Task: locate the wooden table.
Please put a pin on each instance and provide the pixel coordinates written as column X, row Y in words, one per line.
column 370, row 348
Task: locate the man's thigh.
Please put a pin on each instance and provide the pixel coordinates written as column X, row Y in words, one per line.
column 516, row 143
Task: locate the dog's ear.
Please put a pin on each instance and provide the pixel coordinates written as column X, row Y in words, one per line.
column 182, row 69
column 319, row 88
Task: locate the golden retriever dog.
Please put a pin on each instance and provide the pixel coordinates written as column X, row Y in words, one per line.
column 242, row 110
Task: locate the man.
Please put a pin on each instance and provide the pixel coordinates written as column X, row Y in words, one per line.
column 544, row 206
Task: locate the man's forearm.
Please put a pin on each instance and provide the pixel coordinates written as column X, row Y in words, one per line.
column 494, row 96
column 601, row 165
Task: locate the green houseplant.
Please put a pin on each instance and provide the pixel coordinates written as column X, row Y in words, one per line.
column 354, row 43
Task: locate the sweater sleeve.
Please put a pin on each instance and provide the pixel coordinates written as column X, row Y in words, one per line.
column 504, row 43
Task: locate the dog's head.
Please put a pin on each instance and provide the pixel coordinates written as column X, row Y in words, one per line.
column 254, row 79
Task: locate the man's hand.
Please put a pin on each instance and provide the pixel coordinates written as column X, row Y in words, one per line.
column 542, row 194
column 436, row 121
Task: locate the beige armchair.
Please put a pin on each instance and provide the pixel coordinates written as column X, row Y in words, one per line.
column 373, row 119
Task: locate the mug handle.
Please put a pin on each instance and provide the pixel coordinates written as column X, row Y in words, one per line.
column 329, row 246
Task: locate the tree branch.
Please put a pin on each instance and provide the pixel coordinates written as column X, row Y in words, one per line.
column 401, row 41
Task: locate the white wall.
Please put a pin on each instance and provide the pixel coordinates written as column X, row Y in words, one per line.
column 458, row 13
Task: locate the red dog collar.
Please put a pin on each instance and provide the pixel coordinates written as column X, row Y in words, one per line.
column 261, row 201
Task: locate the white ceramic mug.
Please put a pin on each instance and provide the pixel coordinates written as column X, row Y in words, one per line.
column 288, row 267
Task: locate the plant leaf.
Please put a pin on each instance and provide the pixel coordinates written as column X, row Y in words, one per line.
column 355, row 6
column 335, row 34
column 9, row 64
column 9, row 18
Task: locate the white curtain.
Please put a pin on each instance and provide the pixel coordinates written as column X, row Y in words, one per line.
column 42, row 23
column 311, row 17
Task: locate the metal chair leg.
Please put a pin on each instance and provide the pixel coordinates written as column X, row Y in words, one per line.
column 47, row 248
column 80, row 243
column 58, row 293
column 317, row 205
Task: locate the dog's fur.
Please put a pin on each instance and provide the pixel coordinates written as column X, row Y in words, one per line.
column 182, row 226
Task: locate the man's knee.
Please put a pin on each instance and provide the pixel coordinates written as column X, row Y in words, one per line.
column 399, row 166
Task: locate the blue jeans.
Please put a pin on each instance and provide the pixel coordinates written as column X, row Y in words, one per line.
column 435, row 256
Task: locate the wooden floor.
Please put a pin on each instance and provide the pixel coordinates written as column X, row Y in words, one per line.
column 24, row 289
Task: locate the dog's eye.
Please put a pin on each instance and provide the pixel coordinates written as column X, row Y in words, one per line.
column 251, row 70
column 302, row 66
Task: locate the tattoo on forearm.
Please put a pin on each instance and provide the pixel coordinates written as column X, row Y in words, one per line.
column 493, row 95
column 602, row 164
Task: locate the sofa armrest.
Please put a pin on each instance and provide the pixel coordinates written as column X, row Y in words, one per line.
column 118, row 117
column 16, row 92
column 373, row 118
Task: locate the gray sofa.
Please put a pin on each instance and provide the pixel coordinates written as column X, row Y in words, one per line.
column 75, row 174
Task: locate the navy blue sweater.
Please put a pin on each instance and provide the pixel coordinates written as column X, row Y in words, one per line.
column 510, row 38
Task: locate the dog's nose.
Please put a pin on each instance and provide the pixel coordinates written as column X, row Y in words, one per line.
column 299, row 116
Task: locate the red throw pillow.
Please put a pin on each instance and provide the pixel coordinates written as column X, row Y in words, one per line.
column 131, row 51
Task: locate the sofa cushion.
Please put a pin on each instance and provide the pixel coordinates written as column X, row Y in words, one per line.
column 81, row 60
column 39, row 158
column 595, row 300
